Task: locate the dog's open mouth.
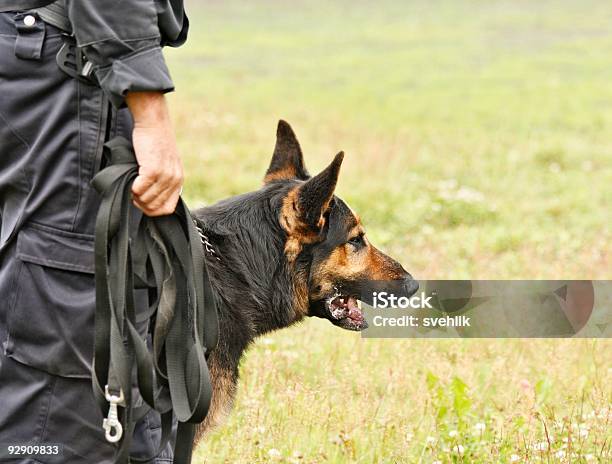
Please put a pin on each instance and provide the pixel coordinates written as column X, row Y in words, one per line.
column 346, row 313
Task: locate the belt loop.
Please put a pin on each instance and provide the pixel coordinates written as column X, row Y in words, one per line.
column 30, row 35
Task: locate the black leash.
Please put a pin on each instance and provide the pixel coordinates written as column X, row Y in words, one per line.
column 163, row 256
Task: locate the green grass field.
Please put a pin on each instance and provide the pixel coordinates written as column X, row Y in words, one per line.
column 478, row 138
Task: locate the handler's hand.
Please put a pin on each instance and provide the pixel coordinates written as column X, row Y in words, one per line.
column 157, row 187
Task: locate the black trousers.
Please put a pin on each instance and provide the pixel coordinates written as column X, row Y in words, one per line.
column 52, row 128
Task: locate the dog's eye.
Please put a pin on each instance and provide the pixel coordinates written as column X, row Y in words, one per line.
column 357, row 241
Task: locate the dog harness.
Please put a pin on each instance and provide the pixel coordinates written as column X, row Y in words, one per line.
column 163, row 256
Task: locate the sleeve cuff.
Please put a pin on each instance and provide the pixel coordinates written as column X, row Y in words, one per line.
column 141, row 71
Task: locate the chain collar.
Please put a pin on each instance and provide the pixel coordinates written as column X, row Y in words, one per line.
column 205, row 241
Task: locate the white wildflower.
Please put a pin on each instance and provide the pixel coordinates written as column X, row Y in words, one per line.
column 453, row 433
column 515, row 458
column 459, row 449
column 542, row 446
column 560, row 454
column 469, row 195
column 289, row 354
column 426, row 229
column 448, row 184
column 273, row 453
column 480, row 427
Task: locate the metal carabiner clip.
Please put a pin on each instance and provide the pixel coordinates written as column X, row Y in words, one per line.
column 112, row 426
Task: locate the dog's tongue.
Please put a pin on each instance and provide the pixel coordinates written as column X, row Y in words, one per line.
column 354, row 311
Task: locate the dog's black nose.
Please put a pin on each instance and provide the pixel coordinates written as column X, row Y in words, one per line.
column 410, row 286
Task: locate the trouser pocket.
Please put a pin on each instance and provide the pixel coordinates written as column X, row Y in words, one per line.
column 50, row 325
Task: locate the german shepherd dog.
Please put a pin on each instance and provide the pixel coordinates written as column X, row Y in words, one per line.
column 290, row 250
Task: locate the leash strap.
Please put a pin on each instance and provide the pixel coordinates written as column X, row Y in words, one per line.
column 164, row 255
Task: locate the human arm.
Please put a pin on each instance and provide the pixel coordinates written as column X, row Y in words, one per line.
column 160, row 174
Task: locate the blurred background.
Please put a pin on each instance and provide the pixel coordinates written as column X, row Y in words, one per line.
column 478, row 140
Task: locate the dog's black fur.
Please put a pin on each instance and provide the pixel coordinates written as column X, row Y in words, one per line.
column 286, row 251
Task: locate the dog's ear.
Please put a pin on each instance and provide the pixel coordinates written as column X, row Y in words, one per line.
column 287, row 160
column 315, row 195
column 304, row 208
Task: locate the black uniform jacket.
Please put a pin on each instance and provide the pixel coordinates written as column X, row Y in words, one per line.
column 123, row 39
